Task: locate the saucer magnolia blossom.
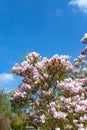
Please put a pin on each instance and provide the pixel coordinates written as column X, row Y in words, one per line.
column 84, row 39
column 53, row 90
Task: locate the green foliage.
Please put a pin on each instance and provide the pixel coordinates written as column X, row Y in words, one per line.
column 18, row 121
column 5, row 105
column 21, row 59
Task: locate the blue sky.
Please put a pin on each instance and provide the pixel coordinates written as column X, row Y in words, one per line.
column 45, row 26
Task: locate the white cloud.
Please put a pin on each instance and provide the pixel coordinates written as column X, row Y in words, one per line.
column 81, row 4
column 6, row 78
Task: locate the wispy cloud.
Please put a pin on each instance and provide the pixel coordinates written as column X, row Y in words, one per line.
column 59, row 12
column 6, row 78
column 81, row 4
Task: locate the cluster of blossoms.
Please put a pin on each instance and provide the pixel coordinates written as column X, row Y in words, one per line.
column 80, row 67
column 54, row 91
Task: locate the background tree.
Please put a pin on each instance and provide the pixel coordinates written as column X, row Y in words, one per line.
column 5, row 110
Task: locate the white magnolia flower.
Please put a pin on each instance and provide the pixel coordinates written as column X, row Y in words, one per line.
column 42, row 117
column 57, row 128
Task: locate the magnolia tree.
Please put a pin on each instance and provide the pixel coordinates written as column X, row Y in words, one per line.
column 54, row 91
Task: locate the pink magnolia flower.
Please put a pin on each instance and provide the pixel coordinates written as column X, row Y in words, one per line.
column 25, row 87
column 84, row 39
column 84, row 52
column 80, row 109
column 84, row 118
column 60, row 115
